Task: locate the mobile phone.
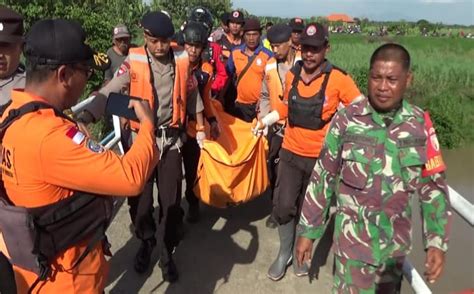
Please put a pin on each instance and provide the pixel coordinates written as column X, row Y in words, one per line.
column 117, row 104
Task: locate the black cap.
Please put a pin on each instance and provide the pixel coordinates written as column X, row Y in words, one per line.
column 225, row 17
column 157, row 24
column 236, row 16
column 11, row 25
column 195, row 33
column 297, row 24
column 61, row 41
column 314, row 35
column 252, row 24
column 279, row 33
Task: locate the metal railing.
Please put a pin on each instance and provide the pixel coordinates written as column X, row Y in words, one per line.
column 465, row 210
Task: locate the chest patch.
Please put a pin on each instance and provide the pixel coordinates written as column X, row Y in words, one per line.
column 8, row 164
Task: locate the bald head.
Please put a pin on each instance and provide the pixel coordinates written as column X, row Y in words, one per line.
column 391, row 52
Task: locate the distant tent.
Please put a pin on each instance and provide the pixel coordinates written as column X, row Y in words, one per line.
column 346, row 19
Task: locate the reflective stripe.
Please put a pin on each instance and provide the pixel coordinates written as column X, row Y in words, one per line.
column 178, row 54
column 138, row 57
column 270, row 66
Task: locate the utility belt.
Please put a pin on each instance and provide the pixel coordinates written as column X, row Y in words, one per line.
column 35, row 236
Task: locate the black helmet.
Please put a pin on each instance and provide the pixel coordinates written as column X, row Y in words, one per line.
column 195, row 33
column 202, row 15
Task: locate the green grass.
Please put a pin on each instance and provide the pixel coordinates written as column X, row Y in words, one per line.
column 443, row 71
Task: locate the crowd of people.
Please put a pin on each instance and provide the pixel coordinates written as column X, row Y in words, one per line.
column 329, row 145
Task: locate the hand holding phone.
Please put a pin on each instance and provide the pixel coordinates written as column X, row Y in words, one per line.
column 119, row 105
column 142, row 110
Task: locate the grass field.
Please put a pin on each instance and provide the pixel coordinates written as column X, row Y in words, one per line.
column 443, row 78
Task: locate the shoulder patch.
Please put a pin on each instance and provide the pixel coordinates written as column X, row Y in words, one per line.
column 125, row 67
column 94, row 146
column 75, row 135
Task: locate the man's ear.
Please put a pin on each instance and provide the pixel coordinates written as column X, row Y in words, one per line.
column 328, row 48
column 409, row 78
column 63, row 75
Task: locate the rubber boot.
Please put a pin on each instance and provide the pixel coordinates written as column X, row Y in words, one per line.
column 143, row 256
column 169, row 272
column 286, row 233
column 300, row 271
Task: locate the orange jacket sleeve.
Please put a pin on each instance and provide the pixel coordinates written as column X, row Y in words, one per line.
column 282, row 108
column 88, row 167
column 348, row 90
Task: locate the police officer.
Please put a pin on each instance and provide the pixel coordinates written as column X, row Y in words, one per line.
column 12, row 73
column 246, row 67
column 159, row 74
column 55, row 161
column 314, row 88
column 279, row 37
column 379, row 152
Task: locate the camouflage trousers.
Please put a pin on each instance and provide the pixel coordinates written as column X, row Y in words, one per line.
column 357, row 277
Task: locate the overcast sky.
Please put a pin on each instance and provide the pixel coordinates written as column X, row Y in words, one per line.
column 446, row 11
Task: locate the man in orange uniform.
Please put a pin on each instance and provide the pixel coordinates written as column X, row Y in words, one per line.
column 159, row 74
column 314, row 88
column 48, row 158
column 233, row 37
column 286, row 56
column 297, row 26
column 246, row 66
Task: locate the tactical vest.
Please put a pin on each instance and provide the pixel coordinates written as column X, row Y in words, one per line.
column 142, row 83
column 35, row 236
column 307, row 112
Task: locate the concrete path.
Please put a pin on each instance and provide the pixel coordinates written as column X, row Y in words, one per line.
column 228, row 251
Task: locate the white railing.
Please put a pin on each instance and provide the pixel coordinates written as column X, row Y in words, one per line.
column 462, row 207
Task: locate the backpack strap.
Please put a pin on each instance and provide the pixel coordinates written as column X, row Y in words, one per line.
column 296, row 71
column 15, row 114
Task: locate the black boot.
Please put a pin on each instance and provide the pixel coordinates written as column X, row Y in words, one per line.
column 286, row 233
column 193, row 213
column 169, row 272
column 143, row 256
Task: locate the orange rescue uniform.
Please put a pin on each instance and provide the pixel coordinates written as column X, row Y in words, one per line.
column 250, row 85
column 46, row 165
column 340, row 89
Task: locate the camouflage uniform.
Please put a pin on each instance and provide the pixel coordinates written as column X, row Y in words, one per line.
column 378, row 165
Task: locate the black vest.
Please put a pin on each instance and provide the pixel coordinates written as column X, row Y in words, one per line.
column 306, row 112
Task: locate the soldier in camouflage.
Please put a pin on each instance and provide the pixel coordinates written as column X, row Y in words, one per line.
column 378, row 153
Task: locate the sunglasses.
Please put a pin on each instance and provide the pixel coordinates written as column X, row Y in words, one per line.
column 88, row 71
